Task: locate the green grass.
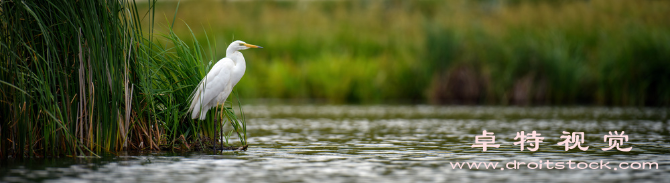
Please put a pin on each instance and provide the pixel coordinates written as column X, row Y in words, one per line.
column 83, row 77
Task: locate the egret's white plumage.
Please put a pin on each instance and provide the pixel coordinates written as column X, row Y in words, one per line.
column 219, row 82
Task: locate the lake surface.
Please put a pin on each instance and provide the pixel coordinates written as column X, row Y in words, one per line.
column 316, row 143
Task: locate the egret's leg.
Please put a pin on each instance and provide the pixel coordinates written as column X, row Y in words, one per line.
column 215, row 132
column 221, row 122
column 216, row 127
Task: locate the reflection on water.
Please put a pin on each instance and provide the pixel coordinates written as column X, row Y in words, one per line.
column 387, row 144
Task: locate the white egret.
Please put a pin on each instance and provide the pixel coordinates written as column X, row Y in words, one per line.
column 219, row 82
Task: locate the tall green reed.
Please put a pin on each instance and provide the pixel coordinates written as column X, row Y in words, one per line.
column 82, row 77
column 67, row 75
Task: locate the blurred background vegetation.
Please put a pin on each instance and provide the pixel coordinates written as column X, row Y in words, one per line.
column 522, row 52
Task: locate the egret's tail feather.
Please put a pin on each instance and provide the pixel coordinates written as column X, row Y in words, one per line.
column 196, row 107
column 195, row 112
column 203, row 114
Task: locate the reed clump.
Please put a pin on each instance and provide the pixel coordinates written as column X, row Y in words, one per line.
column 82, row 77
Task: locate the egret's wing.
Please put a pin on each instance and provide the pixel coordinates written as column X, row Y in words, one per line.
column 221, row 98
column 211, row 86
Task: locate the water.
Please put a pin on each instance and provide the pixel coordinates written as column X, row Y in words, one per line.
column 389, row 144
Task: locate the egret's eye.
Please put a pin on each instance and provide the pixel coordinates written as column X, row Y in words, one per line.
column 241, row 44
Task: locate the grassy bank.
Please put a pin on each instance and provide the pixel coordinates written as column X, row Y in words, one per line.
column 453, row 52
column 80, row 78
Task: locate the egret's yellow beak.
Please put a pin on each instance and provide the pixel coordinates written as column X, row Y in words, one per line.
column 251, row 45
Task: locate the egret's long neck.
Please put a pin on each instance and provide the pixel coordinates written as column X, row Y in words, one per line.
column 240, row 65
column 237, row 57
column 230, row 52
